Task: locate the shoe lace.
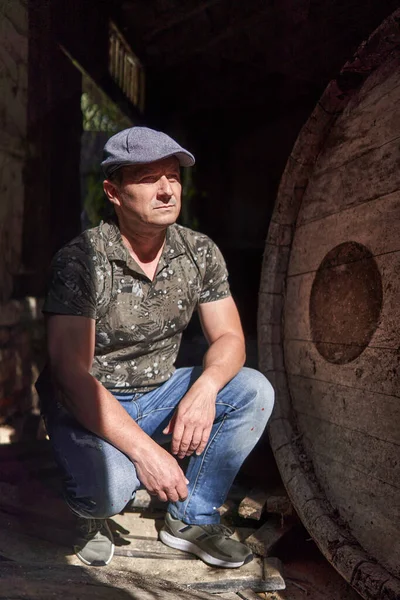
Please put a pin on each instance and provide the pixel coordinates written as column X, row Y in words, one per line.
column 90, row 526
column 218, row 530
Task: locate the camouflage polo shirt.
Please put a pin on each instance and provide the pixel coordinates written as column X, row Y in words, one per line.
column 139, row 322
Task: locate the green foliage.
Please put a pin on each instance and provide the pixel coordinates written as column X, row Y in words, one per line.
column 189, row 192
column 99, row 118
column 96, row 205
column 99, row 114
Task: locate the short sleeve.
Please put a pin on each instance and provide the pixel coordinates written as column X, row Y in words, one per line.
column 71, row 287
column 215, row 281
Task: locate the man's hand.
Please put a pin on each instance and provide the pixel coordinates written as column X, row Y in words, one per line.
column 193, row 419
column 161, row 475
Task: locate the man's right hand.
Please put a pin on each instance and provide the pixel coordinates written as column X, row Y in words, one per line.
column 161, row 475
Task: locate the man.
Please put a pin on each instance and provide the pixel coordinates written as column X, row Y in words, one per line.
column 119, row 297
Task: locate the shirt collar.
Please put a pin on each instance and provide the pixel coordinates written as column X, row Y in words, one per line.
column 114, row 246
column 116, row 249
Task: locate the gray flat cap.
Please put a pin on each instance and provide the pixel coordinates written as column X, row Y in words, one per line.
column 141, row 145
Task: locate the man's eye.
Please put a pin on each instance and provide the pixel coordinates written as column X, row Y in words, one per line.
column 148, row 179
column 173, row 177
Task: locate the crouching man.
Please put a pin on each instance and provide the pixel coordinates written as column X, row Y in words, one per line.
column 119, row 297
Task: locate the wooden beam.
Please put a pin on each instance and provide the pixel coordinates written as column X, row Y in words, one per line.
column 180, row 18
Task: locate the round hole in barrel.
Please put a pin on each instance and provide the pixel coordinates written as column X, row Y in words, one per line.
column 345, row 302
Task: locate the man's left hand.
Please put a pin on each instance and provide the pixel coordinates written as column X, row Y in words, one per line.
column 193, row 420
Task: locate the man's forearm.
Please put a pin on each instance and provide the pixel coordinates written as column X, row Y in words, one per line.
column 97, row 410
column 224, row 359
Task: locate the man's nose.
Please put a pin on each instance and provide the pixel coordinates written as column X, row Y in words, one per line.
column 165, row 188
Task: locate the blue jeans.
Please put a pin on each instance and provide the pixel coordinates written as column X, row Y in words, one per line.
column 99, row 480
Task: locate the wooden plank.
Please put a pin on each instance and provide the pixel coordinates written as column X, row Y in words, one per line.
column 377, row 459
column 248, row 595
column 152, row 551
column 46, row 583
column 375, row 225
column 197, row 576
column 298, row 292
column 291, row 189
column 44, row 590
column 265, row 539
column 273, row 571
column 133, row 527
column 375, row 370
column 371, row 511
column 127, row 546
column 182, row 570
column 252, row 506
column 378, row 84
column 278, row 502
column 370, row 413
column 296, row 321
column 364, row 126
column 362, row 179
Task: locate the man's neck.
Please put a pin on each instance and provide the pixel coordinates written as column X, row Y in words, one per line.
column 144, row 246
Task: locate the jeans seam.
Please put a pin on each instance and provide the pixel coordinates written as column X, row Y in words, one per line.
column 226, row 404
column 137, row 405
column 156, row 410
column 201, row 467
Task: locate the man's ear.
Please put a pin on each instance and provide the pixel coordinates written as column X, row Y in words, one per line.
column 112, row 192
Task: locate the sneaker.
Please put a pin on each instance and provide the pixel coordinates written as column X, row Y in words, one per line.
column 95, row 545
column 211, row 543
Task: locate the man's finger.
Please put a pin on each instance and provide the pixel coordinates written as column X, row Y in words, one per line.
column 177, row 436
column 173, row 495
column 162, row 496
column 182, row 491
column 170, row 427
column 204, row 441
column 196, row 440
column 184, row 478
column 185, row 442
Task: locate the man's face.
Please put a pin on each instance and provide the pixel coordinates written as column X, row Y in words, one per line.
column 148, row 195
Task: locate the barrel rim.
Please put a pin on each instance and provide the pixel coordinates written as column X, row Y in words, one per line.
column 370, row 579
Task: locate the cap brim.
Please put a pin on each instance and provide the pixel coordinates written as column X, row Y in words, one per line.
column 185, row 160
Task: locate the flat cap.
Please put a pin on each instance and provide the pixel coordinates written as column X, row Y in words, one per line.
column 141, row 145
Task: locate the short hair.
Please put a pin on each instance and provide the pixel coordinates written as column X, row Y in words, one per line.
column 116, row 176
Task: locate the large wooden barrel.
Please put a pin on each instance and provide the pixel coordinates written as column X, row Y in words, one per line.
column 329, row 319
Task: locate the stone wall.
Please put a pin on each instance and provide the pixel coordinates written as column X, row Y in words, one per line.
column 21, row 326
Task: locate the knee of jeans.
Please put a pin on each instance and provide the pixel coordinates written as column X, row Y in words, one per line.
column 261, row 392
column 104, row 499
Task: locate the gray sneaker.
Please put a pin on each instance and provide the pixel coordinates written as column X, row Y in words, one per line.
column 95, row 545
column 211, row 543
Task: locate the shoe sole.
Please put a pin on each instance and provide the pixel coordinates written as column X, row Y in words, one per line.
column 186, row 546
column 97, row 563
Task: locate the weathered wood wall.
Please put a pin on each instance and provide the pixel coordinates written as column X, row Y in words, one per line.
column 15, row 363
column 13, row 136
column 328, row 319
column 40, row 125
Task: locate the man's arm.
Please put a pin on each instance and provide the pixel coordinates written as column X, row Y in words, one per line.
column 194, row 417
column 71, row 342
